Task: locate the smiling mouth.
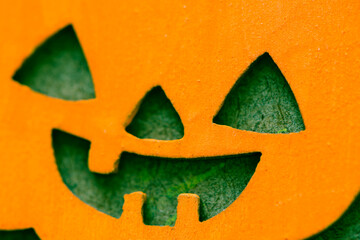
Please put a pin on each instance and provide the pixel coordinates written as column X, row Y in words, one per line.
column 218, row 181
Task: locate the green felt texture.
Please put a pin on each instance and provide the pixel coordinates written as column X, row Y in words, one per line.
column 58, row 68
column 261, row 101
column 218, row 181
column 156, row 118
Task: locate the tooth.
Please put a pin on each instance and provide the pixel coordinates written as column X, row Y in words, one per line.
column 187, row 209
column 132, row 208
column 103, row 159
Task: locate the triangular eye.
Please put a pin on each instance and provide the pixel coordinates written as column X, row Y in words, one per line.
column 58, row 68
column 156, row 118
column 261, row 101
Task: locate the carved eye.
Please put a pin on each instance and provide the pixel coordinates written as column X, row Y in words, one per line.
column 261, row 101
column 58, row 68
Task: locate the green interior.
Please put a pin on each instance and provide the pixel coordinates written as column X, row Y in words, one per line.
column 260, row 101
column 156, row 118
column 58, row 68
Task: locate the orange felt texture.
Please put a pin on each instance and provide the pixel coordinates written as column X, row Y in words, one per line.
column 195, row 50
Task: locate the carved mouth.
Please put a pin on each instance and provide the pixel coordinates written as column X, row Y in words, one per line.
column 217, row 180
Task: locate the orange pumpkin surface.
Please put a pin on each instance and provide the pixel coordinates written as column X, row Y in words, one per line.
column 195, row 50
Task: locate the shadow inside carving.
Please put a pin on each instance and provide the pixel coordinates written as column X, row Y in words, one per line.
column 217, row 180
column 26, row 234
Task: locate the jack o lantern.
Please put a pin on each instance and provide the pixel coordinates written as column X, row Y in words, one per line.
column 186, row 57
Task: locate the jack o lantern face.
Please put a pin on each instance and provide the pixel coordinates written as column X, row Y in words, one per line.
column 192, row 113
column 217, row 180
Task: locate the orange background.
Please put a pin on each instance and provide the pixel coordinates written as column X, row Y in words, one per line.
column 195, row 50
